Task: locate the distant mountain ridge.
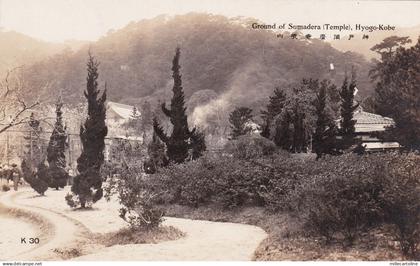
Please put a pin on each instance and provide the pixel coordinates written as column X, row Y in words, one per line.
column 17, row 49
column 362, row 46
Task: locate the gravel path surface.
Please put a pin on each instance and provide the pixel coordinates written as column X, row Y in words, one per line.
column 12, row 230
column 204, row 240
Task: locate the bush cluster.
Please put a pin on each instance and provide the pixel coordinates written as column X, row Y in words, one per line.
column 220, row 180
column 335, row 197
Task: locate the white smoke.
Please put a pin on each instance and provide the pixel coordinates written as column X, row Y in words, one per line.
column 216, row 111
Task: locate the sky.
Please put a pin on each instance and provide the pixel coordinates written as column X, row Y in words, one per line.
column 59, row 20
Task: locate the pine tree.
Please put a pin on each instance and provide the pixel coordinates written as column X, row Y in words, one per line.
column 56, row 151
column 178, row 144
column 274, row 108
column 397, row 93
column 347, row 109
column 325, row 131
column 238, row 119
column 88, row 184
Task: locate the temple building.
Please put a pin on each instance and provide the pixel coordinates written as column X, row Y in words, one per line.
column 367, row 124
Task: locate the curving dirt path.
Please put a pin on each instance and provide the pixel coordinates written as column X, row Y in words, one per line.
column 205, row 240
column 64, row 228
column 56, row 231
column 10, row 245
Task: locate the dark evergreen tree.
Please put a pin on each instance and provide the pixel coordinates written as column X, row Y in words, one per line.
column 274, row 108
column 198, row 144
column 347, row 108
column 239, row 119
column 397, row 93
column 88, row 184
column 156, row 152
column 36, row 179
column 56, row 151
column 300, row 133
column 178, row 143
column 33, row 157
column 283, row 134
column 324, row 137
column 295, row 124
column 33, row 153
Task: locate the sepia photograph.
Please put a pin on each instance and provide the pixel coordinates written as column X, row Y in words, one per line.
column 212, row 130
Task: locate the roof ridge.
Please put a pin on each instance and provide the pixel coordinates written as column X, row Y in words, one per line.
column 120, row 104
column 375, row 115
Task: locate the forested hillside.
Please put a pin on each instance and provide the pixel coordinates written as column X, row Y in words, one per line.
column 221, row 59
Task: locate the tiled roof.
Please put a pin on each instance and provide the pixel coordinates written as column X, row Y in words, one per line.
column 123, row 110
column 368, row 122
column 363, row 117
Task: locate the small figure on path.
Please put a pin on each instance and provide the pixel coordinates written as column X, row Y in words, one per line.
column 15, row 173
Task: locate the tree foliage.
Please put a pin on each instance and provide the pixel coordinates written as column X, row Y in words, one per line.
column 182, row 139
column 56, row 151
column 87, row 185
column 294, row 125
column 33, row 157
column 397, row 92
column 239, row 120
column 324, row 137
column 274, row 108
column 157, row 157
column 347, row 108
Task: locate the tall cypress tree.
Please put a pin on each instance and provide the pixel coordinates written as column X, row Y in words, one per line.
column 88, row 184
column 56, row 151
column 178, row 143
column 283, row 135
column 347, row 109
column 325, row 130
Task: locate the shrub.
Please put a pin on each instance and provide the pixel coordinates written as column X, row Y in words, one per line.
column 400, row 200
column 128, row 183
column 286, row 173
column 37, row 180
column 5, row 188
column 57, row 176
column 72, row 200
column 221, row 180
column 335, row 196
column 138, row 204
column 341, row 197
column 250, row 147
